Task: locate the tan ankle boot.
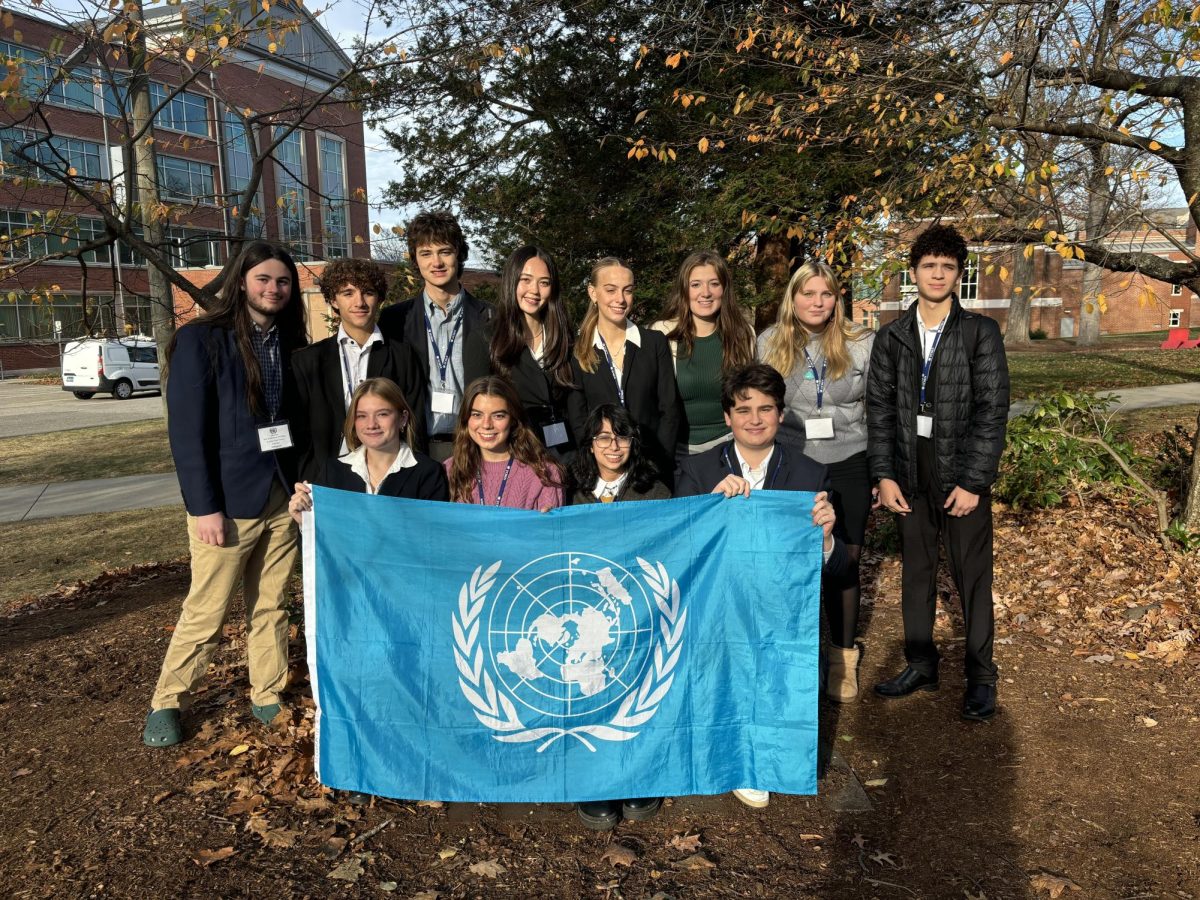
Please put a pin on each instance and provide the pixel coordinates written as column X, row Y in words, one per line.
column 842, row 684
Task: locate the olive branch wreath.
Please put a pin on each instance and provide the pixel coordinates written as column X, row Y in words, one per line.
column 496, row 711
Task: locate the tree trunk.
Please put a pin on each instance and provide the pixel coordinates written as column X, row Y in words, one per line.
column 1191, row 508
column 145, row 182
column 1016, row 330
column 1093, row 276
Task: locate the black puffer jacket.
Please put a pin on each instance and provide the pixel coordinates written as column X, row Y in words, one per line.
column 970, row 398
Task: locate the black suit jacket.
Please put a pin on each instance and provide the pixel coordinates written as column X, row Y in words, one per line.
column 318, row 411
column 424, row 481
column 651, row 396
column 789, row 470
column 544, row 399
column 213, row 434
column 405, row 321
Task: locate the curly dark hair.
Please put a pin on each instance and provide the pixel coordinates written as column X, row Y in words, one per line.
column 584, row 471
column 437, row 227
column 939, row 240
column 363, row 274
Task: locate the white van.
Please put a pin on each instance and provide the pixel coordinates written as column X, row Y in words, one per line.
column 110, row 365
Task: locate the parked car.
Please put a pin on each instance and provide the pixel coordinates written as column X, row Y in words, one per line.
column 110, row 365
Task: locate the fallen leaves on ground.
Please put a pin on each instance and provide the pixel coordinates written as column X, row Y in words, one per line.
column 1055, row 885
column 695, row 863
column 489, row 868
column 685, row 843
column 206, row 858
column 618, row 855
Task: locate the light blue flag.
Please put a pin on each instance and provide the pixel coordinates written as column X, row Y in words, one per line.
column 639, row 649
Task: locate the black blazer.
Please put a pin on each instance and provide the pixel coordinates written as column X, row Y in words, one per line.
column 544, row 399
column 213, row 434
column 656, row 491
column 789, row 470
column 405, row 321
column 651, row 396
column 424, row 481
column 319, row 408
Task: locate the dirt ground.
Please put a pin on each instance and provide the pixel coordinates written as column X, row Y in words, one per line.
column 1085, row 784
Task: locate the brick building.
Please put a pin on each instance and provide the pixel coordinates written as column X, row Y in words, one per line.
column 311, row 198
column 1134, row 303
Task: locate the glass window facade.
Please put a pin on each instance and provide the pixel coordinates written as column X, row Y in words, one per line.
column 185, row 179
column 293, row 204
column 185, row 111
column 50, row 154
column 336, row 235
column 239, row 165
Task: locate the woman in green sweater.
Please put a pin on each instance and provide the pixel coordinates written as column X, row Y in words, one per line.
column 709, row 336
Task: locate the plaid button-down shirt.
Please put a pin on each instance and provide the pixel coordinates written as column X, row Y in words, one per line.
column 266, row 348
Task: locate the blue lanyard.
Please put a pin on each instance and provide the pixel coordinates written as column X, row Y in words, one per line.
column 820, row 379
column 443, row 363
column 503, row 483
column 774, row 475
column 612, row 367
column 928, row 365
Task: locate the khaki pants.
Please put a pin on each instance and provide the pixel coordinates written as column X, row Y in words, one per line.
column 261, row 553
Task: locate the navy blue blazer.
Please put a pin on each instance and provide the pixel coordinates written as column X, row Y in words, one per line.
column 213, row 434
column 789, row 470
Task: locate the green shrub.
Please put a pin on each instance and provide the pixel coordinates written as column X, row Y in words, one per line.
column 1044, row 460
column 1038, row 334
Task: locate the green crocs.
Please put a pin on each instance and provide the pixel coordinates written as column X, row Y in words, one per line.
column 163, row 728
column 266, row 714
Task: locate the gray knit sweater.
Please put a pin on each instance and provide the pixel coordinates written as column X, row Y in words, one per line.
column 843, row 400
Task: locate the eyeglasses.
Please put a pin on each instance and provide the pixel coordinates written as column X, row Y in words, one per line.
column 604, row 441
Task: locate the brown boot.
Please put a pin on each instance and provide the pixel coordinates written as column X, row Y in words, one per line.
column 842, row 684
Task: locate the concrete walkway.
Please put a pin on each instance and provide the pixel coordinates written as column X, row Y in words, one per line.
column 42, row 501
column 72, row 498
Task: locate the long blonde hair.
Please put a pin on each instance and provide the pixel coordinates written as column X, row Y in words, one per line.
column 585, row 348
column 737, row 337
column 786, row 343
column 388, row 391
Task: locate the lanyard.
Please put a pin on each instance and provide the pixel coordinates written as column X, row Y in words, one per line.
column 820, row 379
column 443, row 362
column 928, row 364
column 351, row 379
column 774, row 475
column 503, row 484
column 611, row 367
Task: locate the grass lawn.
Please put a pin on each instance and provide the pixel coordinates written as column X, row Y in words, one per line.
column 1035, row 372
column 132, row 448
column 40, row 553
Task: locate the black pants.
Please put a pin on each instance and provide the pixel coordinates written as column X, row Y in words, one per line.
column 968, row 542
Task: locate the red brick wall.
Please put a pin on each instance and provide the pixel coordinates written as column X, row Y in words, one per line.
column 19, row 357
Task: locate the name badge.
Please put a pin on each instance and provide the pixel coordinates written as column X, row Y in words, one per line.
column 444, row 402
column 819, row 429
column 555, row 433
column 274, row 436
column 925, row 426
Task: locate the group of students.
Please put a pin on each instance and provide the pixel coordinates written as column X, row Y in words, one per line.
column 444, row 397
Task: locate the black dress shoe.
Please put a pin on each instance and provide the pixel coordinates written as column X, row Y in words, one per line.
column 641, row 808
column 979, row 702
column 600, row 815
column 905, row 683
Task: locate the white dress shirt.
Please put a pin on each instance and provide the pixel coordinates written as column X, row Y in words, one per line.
column 357, row 460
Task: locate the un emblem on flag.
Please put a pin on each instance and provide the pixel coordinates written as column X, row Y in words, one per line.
column 569, row 637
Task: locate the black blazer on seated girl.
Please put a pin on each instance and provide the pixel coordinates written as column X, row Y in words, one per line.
column 424, row 481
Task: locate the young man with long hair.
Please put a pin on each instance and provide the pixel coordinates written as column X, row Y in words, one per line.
column 228, row 379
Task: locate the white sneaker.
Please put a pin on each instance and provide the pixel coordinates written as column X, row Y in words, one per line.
column 753, row 798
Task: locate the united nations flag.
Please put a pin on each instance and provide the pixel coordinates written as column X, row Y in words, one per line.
column 624, row 650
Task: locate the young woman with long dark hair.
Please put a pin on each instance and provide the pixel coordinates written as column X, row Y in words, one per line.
column 610, row 465
column 709, row 337
column 824, row 360
column 497, row 460
column 528, row 341
column 617, row 362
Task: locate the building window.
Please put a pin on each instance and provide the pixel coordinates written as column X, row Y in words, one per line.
column 75, row 88
column 136, row 314
column 184, row 112
column 16, row 242
column 185, row 179
column 239, row 166
column 908, row 287
column 57, row 316
column 1176, row 317
column 1177, row 290
column 192, row 248
column 293, row 207
column 70, row 234
column 968, row 287
column 31, row 155
column 336, row 236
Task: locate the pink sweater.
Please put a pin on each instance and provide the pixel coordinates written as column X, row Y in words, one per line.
column 523, row 491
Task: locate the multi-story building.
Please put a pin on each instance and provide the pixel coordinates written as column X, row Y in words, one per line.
column 1131, row 302
column 77, row 121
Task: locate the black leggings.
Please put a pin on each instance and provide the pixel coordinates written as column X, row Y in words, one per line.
column 851, row 498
